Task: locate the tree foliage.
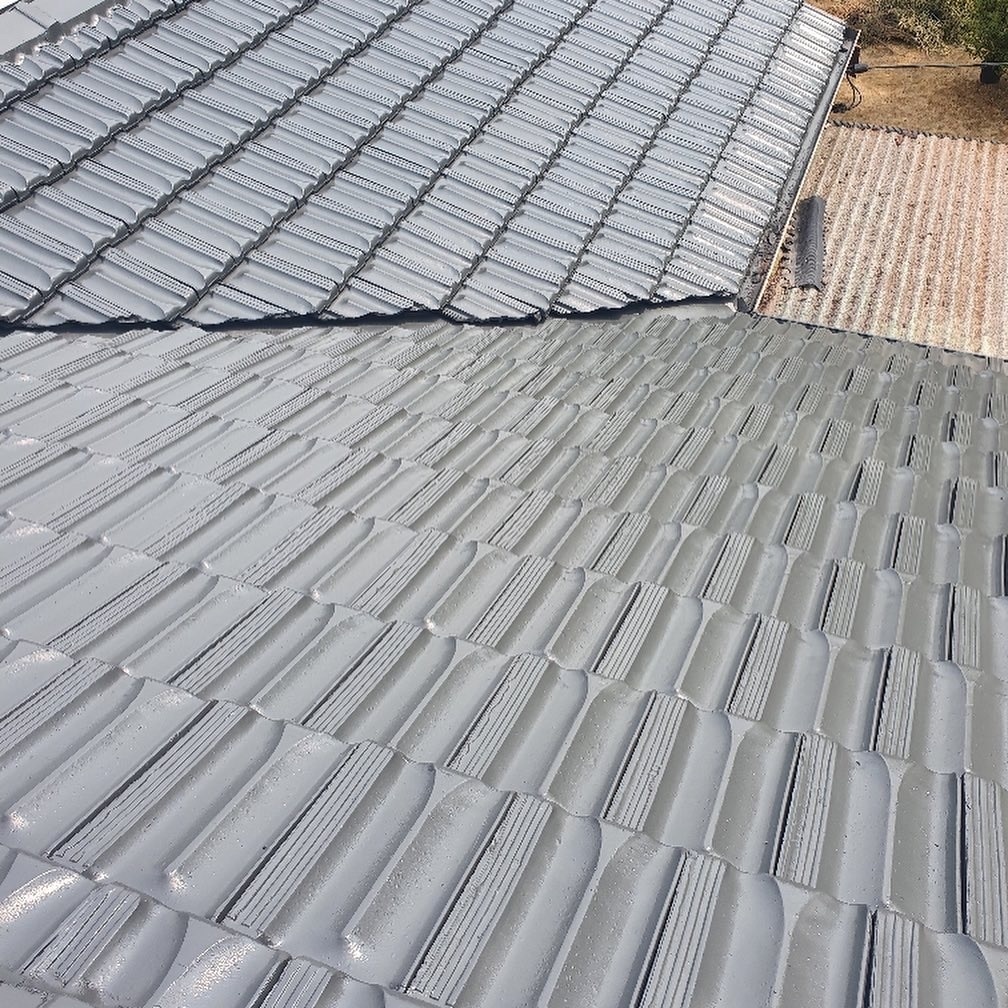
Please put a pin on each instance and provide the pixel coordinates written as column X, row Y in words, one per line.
column 979, row 25
column 985, row 29
column 931, row 24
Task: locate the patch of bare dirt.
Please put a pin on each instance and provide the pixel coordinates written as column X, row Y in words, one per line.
column 933, row 101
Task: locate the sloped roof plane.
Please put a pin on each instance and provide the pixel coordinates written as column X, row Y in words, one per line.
column 656, row 661
column 945, row 197
column 395, row 658
column 216, row 159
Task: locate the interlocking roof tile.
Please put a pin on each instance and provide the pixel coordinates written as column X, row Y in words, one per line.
column 657, row 661
column 217, row 159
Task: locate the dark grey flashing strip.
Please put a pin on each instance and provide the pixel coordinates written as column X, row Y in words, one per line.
column 751, row 289
column 714, row 306
column 33, row 22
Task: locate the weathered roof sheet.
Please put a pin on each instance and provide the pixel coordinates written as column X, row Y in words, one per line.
column 915, row 241
column 653, row 662
column 218, row 159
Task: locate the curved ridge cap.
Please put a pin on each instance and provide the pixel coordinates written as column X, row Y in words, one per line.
column 911, row 133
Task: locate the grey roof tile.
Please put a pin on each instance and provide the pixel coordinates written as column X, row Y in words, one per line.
column 637, row 659
column 561, row 152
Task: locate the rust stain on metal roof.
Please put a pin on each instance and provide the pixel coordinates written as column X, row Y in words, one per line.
column 915, row 240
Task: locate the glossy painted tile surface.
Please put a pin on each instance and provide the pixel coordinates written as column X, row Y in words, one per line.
column 651, row 662
column 217, row 159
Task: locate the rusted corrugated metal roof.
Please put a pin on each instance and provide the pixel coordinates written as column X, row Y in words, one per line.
column 915, row 241
column 650, row 662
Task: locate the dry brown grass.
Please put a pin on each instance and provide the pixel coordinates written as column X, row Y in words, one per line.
column 866, row 16
column 933, row 101
column 854, row 12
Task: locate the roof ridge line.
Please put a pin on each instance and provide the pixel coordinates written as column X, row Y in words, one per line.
column 714, row 307
column 910, row 132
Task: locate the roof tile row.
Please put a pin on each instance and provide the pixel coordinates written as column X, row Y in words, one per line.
column 306, row 157
column 282, row 606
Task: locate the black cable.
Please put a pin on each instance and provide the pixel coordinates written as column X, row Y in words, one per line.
column 855, row 92
column 856, row 69
column 860, row 68
column 841, row 107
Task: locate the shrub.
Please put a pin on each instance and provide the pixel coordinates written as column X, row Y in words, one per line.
column 931, row 24
column 979, row 25
column 985, row 32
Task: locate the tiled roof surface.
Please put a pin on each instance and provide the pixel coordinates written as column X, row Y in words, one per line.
column 217, row 159
column 916, row 242
column 652, row 662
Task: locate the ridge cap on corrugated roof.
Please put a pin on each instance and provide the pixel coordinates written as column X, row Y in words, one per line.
column 913, row 134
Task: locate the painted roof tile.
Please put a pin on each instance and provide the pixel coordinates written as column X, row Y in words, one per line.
column 492, row 158
column 613, row 661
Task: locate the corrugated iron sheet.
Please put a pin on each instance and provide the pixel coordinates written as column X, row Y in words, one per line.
column 915, row 239
column 224, row 159
column 653, row 662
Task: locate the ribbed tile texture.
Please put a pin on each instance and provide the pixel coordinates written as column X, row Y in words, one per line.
column 221, row 159
column 944, row 202
column 629, row 663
